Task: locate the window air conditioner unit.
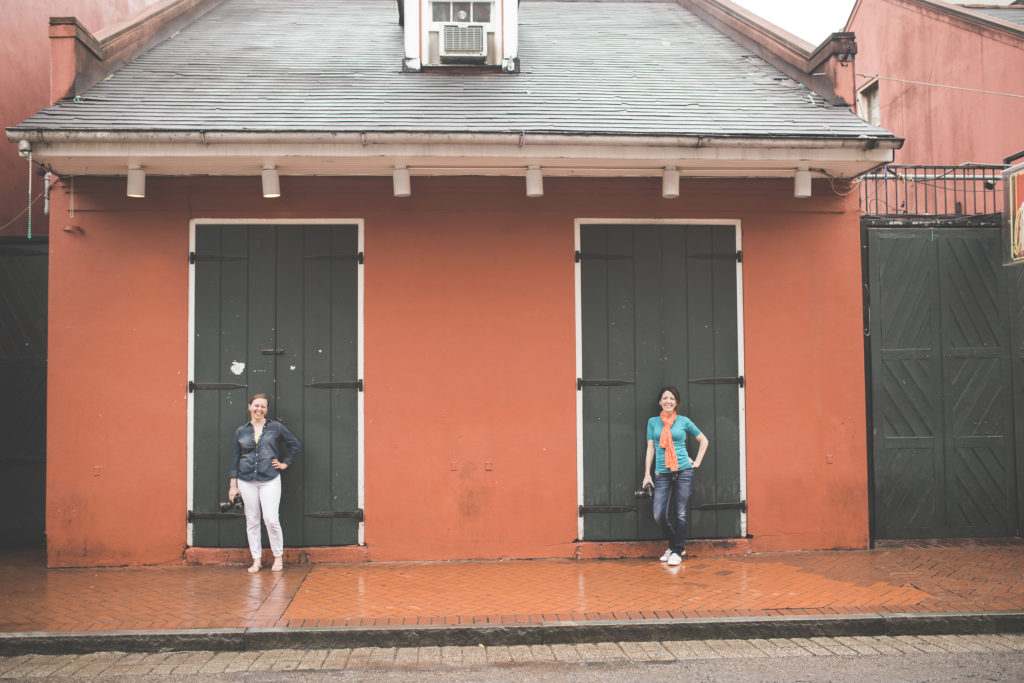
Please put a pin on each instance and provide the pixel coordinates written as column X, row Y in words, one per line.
column 462, row 32
column 464, row 42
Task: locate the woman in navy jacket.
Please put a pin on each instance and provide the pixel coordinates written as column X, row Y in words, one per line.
column 263, row 449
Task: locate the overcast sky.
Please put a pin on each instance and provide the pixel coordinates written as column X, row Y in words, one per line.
column 812, row 20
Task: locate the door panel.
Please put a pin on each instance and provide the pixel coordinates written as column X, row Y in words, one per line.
column 277, row 313
column 23, row 286
column 658, row 306
column 944, row 459
column 1015, row 296
column 221, row 321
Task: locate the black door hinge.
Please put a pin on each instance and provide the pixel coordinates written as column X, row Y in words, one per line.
column 193, row 257
column 192, row 516
column 338, row 514
column 220, row 386
column 585, row 509
column 719, row 380
column 357, row 384
column 358, row 258
column 579, row 256
column 738, row 255
column 740, row 505
column 580, row 383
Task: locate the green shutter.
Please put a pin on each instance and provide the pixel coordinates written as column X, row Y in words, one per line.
column 658, row 306
column 276, row 312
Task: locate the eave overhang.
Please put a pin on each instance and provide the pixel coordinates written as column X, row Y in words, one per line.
column 212, row 153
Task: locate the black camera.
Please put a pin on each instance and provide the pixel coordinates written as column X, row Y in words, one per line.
column 235, row 504
column 645, row 492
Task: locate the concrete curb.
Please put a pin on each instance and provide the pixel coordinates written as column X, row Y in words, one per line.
column 544, row 633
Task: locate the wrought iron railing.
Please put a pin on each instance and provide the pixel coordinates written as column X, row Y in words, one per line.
column 946, row 191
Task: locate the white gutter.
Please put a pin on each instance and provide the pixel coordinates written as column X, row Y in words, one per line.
column 402, row 138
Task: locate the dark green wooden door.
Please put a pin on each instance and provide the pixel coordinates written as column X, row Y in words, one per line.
column 276, row 312
column 944, row 463
column 658, row 307
column 24, row 268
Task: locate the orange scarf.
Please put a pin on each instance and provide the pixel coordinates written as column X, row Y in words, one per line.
column 671, row 461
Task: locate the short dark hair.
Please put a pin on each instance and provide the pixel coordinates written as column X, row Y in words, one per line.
column 256, row 396
column 672, row 390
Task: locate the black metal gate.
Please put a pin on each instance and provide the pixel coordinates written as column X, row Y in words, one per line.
column 943, row 393
column 658, row 306
column 276, row 312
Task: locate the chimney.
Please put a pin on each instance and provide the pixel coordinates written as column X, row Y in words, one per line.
column 441, row 34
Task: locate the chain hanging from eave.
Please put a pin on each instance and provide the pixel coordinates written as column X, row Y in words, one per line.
column 29, row 157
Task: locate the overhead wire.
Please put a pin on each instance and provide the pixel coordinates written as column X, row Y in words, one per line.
column 939, row 85
column 23, row 212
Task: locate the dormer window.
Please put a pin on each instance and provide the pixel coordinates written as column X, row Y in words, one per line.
column 478, row 35
column 462, row 12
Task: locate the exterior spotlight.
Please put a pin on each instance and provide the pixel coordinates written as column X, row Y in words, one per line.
column 802, row 183
column 400, row 180
column 534, row 182
column 670, row 182
column 136, row 182
column 271, row 182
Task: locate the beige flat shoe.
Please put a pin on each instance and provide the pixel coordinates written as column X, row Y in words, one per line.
column 256, row 566
column 278, row 564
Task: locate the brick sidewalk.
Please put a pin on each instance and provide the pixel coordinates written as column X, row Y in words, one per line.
column 467, row 662
column 970, row 576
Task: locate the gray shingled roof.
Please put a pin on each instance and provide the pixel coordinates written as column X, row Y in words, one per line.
column 1013, row 15
column 335, row 65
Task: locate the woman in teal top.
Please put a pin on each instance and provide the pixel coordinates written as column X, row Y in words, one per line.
column 673, row 471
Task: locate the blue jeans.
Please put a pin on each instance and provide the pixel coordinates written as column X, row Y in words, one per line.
column 671, row 499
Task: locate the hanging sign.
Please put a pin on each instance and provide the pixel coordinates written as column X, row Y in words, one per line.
column 1013, row 215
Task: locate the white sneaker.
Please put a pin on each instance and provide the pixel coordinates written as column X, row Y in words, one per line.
column 674, row 559
column 667, row 554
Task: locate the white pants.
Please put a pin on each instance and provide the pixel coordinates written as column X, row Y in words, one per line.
column 265, row 496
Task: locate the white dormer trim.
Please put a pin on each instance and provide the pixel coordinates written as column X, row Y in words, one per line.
column 510, row 35
column 413, row 61
column 425, row 38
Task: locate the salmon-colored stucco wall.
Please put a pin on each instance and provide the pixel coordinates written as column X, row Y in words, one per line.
column 25, row 84
column 901, row 39
column 116, row 378
column 470, row 418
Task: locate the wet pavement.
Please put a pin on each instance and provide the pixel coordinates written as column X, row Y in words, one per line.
column 979, row 582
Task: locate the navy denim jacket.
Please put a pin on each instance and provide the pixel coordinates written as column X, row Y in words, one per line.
column 251, row 461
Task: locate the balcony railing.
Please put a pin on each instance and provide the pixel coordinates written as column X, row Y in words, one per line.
column 933, row 191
